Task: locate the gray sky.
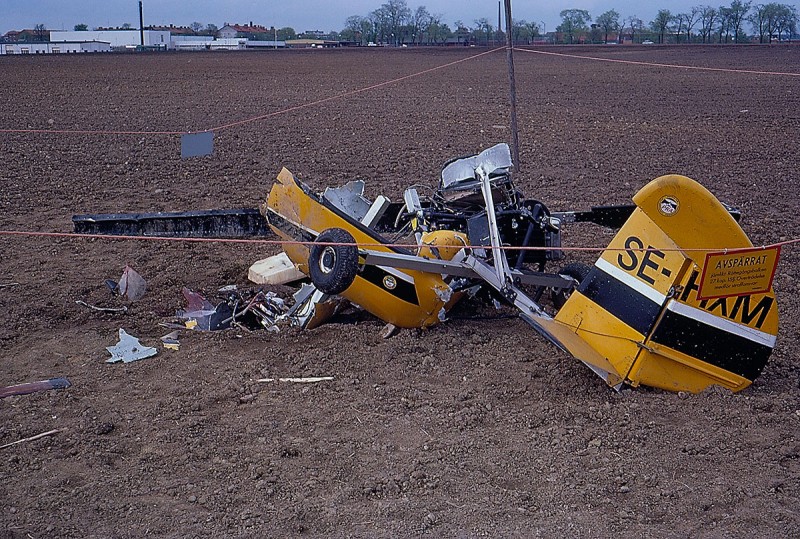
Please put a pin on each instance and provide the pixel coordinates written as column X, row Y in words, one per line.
column 325, row 15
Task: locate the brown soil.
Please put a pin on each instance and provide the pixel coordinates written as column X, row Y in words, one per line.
column 477, row 427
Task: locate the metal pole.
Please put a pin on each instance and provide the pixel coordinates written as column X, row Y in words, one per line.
column 512, row 88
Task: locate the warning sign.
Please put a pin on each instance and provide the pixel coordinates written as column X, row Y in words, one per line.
column 738, row 273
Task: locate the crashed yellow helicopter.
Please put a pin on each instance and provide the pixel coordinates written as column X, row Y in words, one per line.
column 636, row 317
column 679, row 300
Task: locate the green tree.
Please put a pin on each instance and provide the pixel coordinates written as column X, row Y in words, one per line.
column 737, row 14
column 785, row 21
column 419, row 23
column 523, row 31
column 354, row 29
column 390, row 18
column 573, row 21
column 771, row 20
column 608, row 23
column 437, row 31
column 81, row 27
column 661, row 23
column 483, row 31
column 287, row 32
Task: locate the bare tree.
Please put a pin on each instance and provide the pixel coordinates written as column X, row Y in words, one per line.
column 759, row 21
column 708, row 16
column 635, row 25
column 40, row 31
column 723, row 24
column 688, row 21
column 196, row 27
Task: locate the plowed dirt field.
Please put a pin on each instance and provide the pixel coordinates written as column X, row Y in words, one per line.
column 474, row 428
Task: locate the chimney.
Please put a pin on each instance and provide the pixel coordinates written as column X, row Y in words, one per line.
column 141, row 24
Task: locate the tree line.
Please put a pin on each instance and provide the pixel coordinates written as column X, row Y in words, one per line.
column 701, row 24
column 395, row 23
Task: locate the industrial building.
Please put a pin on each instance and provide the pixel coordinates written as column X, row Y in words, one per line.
column 118, row 39
column 62, row 47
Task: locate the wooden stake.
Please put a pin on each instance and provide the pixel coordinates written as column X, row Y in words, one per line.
column 512, row 90
column 32, row 438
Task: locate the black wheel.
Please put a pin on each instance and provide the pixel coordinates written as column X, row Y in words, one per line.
column 577, row 271
column 333, row 268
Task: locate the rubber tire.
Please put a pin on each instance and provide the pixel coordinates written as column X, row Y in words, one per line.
column 576, row 270
column 333, row 268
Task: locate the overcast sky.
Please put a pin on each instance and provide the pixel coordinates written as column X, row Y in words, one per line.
column 325, row 15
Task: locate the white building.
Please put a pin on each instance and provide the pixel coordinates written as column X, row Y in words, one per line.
column 118, row 39
column 62, row 47
column 207, row 43
column 200, row 43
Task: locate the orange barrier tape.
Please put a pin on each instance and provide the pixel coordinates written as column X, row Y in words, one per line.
column 654, row 64
column 392, row 245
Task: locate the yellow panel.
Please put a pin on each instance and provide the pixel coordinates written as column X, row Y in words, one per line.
column 606, row 334
column 657, row 264
column 669, row 369
column 291, row 203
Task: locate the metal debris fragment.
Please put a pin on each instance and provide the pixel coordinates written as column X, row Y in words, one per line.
column 129, row 349
column 132, row 285
column 170, row 340
column 33, row 387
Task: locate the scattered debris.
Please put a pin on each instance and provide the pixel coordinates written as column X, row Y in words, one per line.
column 129, row 349
column 389, row 330
column 131, row 284
column 170, row 340
column 113, row 286
column 308, row 380
column 278, row 269
column 32, row 438
column 247, row 309
column 312, row 307
column 6, row 285
column 33, row 387
column 122, row 309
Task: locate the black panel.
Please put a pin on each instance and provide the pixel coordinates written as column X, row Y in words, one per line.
column 189, row 224
column 403, row 290
column 619, row 299
column 712, row 345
